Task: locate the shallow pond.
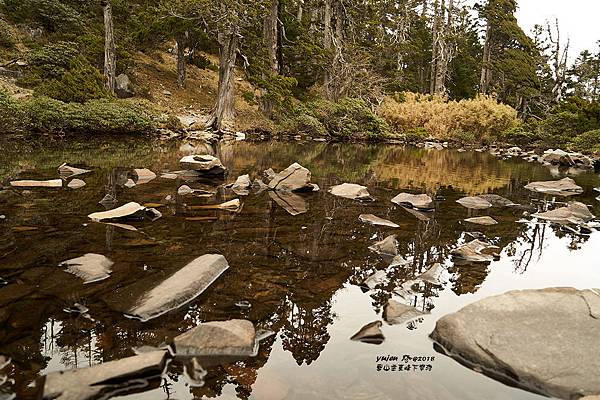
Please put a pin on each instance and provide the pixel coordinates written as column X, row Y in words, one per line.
column 301, row 274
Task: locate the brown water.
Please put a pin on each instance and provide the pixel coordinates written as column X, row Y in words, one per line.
column 301, row 274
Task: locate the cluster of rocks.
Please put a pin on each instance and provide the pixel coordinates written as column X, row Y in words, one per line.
column 551, row 157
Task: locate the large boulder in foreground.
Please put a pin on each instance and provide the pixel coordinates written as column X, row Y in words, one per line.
column 544, row 341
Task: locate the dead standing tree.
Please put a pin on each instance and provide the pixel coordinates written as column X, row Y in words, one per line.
column 110, row 58
column 559, row 59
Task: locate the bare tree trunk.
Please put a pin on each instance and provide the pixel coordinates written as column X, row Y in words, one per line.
column 110, row 58
column 327, row 42
column 484, row 84
column 181, row 70
column 271, row 39
column 445, row 47
column 435, row 49
column 560, row 58
column 300, row 12
column 223, row 115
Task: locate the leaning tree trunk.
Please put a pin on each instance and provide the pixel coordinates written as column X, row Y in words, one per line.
column 181, row 72
column 110, row 59
column 223, row 115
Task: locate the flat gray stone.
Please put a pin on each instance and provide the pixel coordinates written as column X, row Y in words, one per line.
column 53, row 183
column 476, row 251
column 126, row 212
column 474, row 203
column 574, row 213
column 66, row 171
column 417, row 201
column 204, row 164
column 351, row 191
column 104, row 380
column 397, row 313
column 563, row 187
column 235, row 337
column 76, row 184
column 180, row 288
column 375, row 220
column 488, row 221
column 89, row 267
column 143, row 175
column 544, row 341
column 497, row 200
column 289, row 201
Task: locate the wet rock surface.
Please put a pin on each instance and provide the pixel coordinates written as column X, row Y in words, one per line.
column 203, row 164
column 476, row 251
column 486, row 220
column 370, row 333
column 351, row 191
column 375, row 220
column 418, row 201
column 563, row 187
column 181, row 287
column 574, row 213
column 396, row 313
column 513, row 337
column 89, row 267
column 294, row 178
column 475, row 203
column 105, row 380
column 219, row 338
column 129, row 211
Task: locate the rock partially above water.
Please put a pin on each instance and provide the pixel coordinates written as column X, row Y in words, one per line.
column 375, row 220
column 397, row 313
column 128, row 211
column 388, row 246
column 432, row 275
column 417, row 201
column 545, row 341
column 482, row 221
column 235, row 337
column 370, row 333
column 497, row 200
column 66, row 171
column 351, row 191
column 104, row 380
column 574, row 213
column 143, row 175
column 475, row 203
column 76, row 184
column 180, row 288
column 563, row 187
column 476, row 252
column 204, row 164
column 294, row 178
column 241, row 186
column 53, row 183
column 89, row 267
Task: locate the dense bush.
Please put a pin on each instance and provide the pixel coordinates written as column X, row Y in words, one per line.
column 53, row 15
column 588, row 142
column 483, row 117
column 348, row 119
column 6, row 37
column 42, row 114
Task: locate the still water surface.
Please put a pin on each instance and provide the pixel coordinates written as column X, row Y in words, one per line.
column 302, row 274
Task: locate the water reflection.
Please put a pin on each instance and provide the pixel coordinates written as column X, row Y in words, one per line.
column 302, row 272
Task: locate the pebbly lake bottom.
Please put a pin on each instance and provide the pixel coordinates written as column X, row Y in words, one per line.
column 303, row 275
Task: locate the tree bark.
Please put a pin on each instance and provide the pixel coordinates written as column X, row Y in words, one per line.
column 435, row 48
column 223, row 115
column 271, row 35
column 181, row 70
column 110, row 58
column 327, row 43
column 484, row 84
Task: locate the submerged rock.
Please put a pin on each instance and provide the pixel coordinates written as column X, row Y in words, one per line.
column 89, row 267
column 482, row 221
column 370, row 333
column 475, row 203
column 104, row 380
column 180, row 288
column 53, row 183
column 476, row 251
column 563, row 187
column 76, row 184
column 66, row 171
column 235, row 337
column 397, row 313
column 545, row 341
column 388, row 246
column 128, row 211
column 497, row 200
column 375, row 220
column 574, row 213
column 377, row 279
column 418, row 201
column 351, row 191
column 204, row 164
column 289, row 201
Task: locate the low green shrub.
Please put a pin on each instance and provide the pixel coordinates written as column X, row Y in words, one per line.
column 348, row 119
column 43, row 114
column 6, row 37
column 520, row 136
column 588, row 142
